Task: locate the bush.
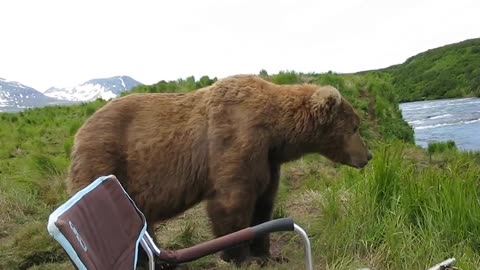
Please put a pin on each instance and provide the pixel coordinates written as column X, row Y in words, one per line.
column 440, row 147
column 332, row 79
column 286, row 77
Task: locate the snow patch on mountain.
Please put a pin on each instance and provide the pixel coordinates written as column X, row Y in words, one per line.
column 105, row 88
column 83, row 92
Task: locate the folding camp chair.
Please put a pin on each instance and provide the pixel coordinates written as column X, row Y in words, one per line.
column 100, row 227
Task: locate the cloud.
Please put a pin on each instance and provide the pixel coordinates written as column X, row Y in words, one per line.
column 55, row 42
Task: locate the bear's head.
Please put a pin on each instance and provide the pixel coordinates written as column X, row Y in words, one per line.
column 336, row 135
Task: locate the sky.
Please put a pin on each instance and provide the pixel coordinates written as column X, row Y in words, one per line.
column 63, row 43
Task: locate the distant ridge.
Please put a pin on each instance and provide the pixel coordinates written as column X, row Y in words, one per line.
column 105, row 88
column 15, row 96
column 445, row 72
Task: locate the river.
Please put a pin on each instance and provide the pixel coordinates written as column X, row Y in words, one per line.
column 446, row 119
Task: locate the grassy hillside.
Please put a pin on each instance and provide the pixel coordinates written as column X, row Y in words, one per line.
column 444, row 72
column 408, row 210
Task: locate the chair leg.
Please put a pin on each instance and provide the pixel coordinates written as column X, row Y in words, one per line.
column 151, row 259
column 307, row 246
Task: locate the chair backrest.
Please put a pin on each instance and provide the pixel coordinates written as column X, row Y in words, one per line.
column 99, row 227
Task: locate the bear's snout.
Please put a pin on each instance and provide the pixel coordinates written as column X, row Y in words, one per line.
column 362, row 164
column 361, row 161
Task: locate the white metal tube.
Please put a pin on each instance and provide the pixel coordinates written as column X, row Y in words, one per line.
column 151, row 244
column 151, row 259
column 443, row 264
column 306, row 246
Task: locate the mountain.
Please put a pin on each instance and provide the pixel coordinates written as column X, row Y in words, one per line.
column 105, row 88
column 15, row 96
column 444, row 72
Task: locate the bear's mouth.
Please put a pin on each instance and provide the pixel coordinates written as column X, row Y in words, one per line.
column 362, row 164
column 358, row 164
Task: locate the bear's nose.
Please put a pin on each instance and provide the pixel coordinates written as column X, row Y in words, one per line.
column 369, row 155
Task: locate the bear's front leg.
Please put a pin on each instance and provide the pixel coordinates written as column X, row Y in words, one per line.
column 238, row 173
column 260, row 247
column 229, row 211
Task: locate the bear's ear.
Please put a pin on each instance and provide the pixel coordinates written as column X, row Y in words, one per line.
column 325, row 102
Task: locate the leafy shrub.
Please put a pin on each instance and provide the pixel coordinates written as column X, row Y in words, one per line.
column 440, row 147
column 286, row 77
column 332, row 79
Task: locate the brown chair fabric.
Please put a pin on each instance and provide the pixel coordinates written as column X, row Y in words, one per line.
column 102, row 226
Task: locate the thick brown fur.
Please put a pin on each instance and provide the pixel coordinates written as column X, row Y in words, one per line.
column 224, row 143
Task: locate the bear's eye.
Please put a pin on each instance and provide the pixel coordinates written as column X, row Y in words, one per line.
column 355, row 129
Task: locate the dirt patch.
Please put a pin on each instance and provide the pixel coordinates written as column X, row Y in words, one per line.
column 305, row 206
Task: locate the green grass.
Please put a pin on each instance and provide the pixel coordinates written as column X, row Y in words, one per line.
column 404, row 215
column 33, row 162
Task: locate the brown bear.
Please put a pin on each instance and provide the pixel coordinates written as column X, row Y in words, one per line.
column 224, row 144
